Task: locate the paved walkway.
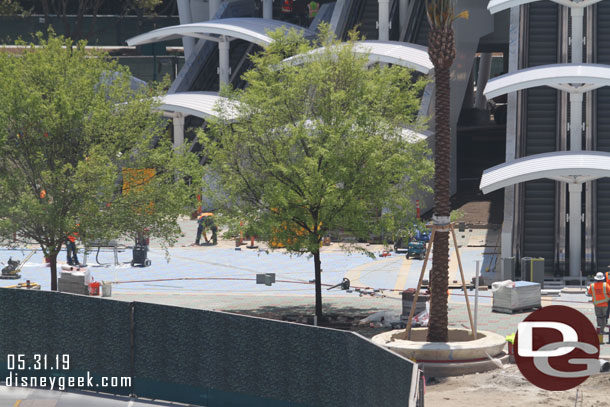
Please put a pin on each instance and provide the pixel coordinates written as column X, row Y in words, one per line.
column 221, row 278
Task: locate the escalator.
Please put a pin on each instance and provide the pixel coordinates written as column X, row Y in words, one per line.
column 540, row 136
column 365, row 13
column 418, row 28
column 602, row 107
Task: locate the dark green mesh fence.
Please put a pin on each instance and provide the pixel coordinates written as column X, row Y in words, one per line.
column 203, row 357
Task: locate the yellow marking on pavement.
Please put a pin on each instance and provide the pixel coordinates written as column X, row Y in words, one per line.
column 17, row 403
column 401, row 280
column 354, row 274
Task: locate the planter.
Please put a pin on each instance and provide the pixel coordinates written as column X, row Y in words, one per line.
column 461, row 355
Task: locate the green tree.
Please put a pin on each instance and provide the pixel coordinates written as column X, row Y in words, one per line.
column 441, row 48
column 71, row 127
column 318, row 147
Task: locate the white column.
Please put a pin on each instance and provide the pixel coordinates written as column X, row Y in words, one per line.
column 384, row 20
column 184, row 12
column 268, row 9
column 214, row 4
column 577, row 35
column 575, row 228
column 482, row 78
column 223, row 56
column 576, row 121
column 403, row 13
column 178, row 121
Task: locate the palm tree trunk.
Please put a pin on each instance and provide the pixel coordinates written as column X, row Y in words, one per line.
column 442, row 53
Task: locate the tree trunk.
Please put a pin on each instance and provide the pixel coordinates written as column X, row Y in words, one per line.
column 442, row 53
column 53, row 261
column 317, row 264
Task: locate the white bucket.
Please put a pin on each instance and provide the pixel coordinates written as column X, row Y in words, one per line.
column 106, row 289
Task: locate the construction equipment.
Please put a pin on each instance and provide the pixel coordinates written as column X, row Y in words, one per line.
column 416, row 249
column 11, row 271
column 27, row 285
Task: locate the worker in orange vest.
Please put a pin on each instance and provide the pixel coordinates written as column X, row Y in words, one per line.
column 71, row 250
column 600, row 292
column 288, row 6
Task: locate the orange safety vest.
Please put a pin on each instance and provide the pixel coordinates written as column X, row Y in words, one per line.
column 607, row 276
column 314, row 7
column 600, row 291
column 287, row 6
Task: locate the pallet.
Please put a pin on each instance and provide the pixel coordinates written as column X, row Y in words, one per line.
column 515, row 310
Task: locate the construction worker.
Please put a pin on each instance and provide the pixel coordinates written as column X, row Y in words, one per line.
column 209, row 222
column 314, row 7
column 201, row 228
column 600, row 292
column 71, row 250
column 288, row 6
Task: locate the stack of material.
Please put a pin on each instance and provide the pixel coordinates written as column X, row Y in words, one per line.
column 518, row 296
column 407, row 302
column 75, row 282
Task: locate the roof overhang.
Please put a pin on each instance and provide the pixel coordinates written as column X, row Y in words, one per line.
column 392, row 52
column 574, row 167
column 565, row 77
column 495, row 6
column 201, row 104
column 247, row 28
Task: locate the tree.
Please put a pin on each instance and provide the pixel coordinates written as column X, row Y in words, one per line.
column 70, row 126
column 318, row 147
column 441, row 48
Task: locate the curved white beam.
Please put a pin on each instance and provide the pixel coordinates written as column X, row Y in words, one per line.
column 567, row 166
column 249, row 29
column 200, row 104
column 560, row 76
column 391, row 52
column 495, row 6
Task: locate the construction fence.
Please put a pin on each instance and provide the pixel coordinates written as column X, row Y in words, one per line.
column 199, row 357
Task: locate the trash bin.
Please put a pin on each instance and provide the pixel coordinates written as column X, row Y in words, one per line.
column 106, row 289
column 94, row 288
column 532, row 269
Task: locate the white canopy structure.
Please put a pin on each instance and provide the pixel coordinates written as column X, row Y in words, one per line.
column 391, row 52
column 199, row 104
column 572, row 167
column 246, row 28
column 567, row 77
column 222, row 31
column 495, row 6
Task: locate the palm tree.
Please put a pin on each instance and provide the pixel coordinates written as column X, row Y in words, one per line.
column 441, row 48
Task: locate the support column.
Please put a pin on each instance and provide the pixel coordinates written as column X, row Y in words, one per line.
column 575, row 228
column 178, row 121
column 223, row 56
column 214, row 4
column 576, row 121
column 268, row 9
column 403, row 13
column 184, row 12
column 577, row 35
column 384, row 20
column 482, row 78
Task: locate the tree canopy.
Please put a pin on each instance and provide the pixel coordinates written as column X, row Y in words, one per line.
column 319, row 147
column 82, row 150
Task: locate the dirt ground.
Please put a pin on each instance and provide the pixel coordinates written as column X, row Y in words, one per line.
column 509, row 388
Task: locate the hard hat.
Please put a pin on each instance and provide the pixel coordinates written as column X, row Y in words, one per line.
column 599, row 277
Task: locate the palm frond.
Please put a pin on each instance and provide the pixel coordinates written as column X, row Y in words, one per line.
column 441, row 13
